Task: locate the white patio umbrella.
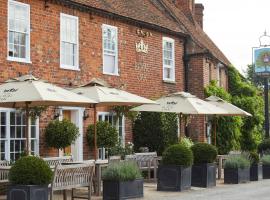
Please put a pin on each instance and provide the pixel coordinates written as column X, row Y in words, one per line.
column 108, row 96
column 27, row 91
column 182, row 103
column 231, row 109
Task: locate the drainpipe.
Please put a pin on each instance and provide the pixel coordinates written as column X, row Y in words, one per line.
column 186, row 64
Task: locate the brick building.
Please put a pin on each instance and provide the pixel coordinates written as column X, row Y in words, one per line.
column 147, row 47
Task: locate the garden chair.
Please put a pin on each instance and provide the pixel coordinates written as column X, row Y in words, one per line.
column 53, row 161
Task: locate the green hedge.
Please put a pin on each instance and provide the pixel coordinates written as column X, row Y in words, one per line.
column 177, row 154
column 156, row 131
column 237, row 161
column 204, row 153
column 30, row 170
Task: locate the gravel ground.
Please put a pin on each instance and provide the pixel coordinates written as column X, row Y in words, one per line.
column 248, row 191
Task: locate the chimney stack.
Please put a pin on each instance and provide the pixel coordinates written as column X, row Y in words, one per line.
column 199, row 14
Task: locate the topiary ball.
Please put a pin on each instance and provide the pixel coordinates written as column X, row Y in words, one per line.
column 204, row 153
column 30, row 170
column 178, row 154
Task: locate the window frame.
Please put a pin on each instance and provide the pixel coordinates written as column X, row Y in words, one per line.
column 64, row 66
column 27, row 59
column 172, row 79
column 8, row 138
column 116, row 50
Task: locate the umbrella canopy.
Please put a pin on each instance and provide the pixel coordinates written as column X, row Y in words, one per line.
column 184, row 103
column 228, row 107
column 16, row 92
column 27, row 91
column 108, row 96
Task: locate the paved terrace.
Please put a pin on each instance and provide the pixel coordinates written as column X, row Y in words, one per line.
column 248, row 191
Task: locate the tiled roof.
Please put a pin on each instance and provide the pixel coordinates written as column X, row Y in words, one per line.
column 149, row 11
column 197, row 34
column 162, row 13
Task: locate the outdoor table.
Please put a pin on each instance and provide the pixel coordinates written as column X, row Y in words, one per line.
column 99, row 164
column 221, row 159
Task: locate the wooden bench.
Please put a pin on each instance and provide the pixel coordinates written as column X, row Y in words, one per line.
column 146, row 162
column 72, row 177
column 4, row 171
column 53, row 161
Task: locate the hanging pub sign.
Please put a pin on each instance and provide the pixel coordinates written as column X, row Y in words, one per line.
column 261, row 61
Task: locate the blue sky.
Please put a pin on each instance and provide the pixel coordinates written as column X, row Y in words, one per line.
column 235, row 26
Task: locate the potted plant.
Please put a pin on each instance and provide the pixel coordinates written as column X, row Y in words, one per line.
column 266, row 166
column 236, row 169
column 256, row 167
column 204, row 168
column 122, row 180
column 29, row 178
column 61, row 134
column 174, row 173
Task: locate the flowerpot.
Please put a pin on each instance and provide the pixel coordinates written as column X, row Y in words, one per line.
column 173, row 178
column 27, row 192
column 204, row 175
column 236, row 175
column 118, row 190
column 255, row 172
column 266, row 171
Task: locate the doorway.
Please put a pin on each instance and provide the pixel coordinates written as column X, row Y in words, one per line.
column 75, row 115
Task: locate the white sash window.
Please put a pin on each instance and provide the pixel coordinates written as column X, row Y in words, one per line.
column 168, row 59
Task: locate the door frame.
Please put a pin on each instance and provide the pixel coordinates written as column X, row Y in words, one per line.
column 77, row 119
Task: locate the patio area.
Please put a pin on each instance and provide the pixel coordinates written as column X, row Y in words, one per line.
column 248, row 191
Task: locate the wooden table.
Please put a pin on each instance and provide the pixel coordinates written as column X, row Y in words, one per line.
column 221, row 159
column 99, row 164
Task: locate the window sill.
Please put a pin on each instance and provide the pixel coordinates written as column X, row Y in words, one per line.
column 169, row 81
column 12, row 59
column 110, row 74
column 67, row 67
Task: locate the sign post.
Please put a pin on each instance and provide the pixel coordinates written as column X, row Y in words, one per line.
column 261, row 63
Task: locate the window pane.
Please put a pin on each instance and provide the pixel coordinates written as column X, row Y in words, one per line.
column 33, row 132
column 12, row 131
column 3, row 132
column 3, row 118
column 12, row 118
column 109, row 64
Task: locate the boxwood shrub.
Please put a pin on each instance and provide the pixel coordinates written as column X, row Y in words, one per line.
column 204, row 153
column 122, row 171
column 30, row 170
column 177, row 154
column 237, row 161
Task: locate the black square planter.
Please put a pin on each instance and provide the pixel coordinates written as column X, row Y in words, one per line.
column 118, row 190
column 27, row 192
column 266, row 171
column 173, row 178
column 204, row 175
column 256, row 172
column 235, row 176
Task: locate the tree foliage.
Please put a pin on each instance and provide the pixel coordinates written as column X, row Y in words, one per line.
column 155, row 130
column 107, row 135
column 61, row 134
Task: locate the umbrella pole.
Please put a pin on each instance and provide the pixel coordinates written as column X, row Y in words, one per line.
column 180, row 126
column 215, row 131
column 27, row 146
column 95, row 132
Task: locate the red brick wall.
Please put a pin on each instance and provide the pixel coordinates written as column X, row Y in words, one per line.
column 45, row 44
